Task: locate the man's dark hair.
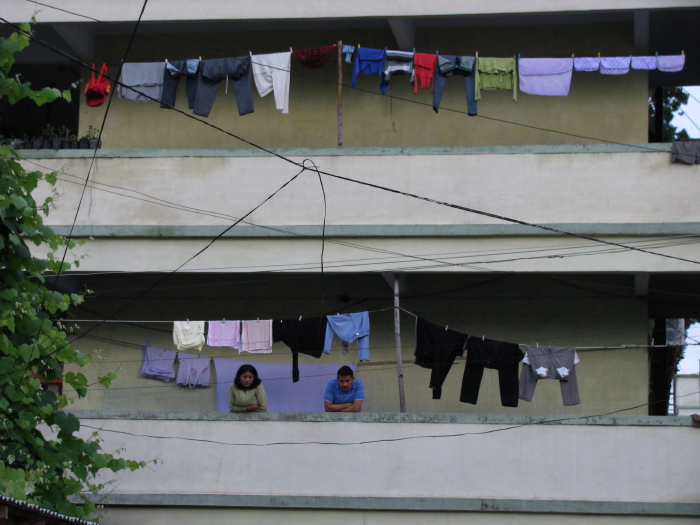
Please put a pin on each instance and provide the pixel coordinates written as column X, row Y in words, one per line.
column 345, row 370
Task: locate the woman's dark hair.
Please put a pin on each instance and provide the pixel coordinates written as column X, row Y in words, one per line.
column 242, row 370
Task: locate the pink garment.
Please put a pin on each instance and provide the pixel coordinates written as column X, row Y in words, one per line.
column 545, row 76
column 615, row 65
column 224, row 333
column 670, row 63
column 256, row 336
column 586, row 63
column 644, row 63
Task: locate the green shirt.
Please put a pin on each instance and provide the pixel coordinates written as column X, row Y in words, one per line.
column 239, row 399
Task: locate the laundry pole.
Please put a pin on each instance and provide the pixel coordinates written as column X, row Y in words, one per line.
column 397, row 337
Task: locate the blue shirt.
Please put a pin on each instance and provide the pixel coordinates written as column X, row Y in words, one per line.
column 336, row 396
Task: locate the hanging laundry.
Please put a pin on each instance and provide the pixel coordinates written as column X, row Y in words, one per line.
column 302, row 336
column 314, row 57
column 348, row 51
column 224, row 333
column 349, row 328
column 396, row 63
column 369, row 61
column 586, row 63
column 550, row 362
column 436, row 349
column 449, row 65
column 423, row 70
column 496, row 73
column 647, row 63
column 172, row 74
column 256, row 336
column 545, row 76
column 237, row 70
column 686, row 152
column 146, row 77
column 615, row 65
column 188, row 335
column 158, row 363
column 486, row 353
column 670, row 63
column 193, row 370
column 271, row 73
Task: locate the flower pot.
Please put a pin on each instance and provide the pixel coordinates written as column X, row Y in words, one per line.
column 84, row 143
column 56, row 143
column 37, row 144
column 18, row 144
column 47, row 144
column 74, row 144
column 95, row 144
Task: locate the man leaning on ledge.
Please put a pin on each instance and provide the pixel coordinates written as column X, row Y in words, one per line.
column 344, row 394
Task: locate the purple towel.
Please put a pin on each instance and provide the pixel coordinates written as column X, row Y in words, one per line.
column 282, row 394
column 586, row 64
column 670, row 63
column 647, row 63
column 615, row 65
column 224, row 333
column 545, row 76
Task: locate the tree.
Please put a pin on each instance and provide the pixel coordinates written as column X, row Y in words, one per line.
column 673, row 99
column 42, row 460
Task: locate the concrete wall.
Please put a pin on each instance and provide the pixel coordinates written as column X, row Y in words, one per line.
column 580, row 311
column 406, row 466
column 162, row 208
column 599, row 107
column 276, row 9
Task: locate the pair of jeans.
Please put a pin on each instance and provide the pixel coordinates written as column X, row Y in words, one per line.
column 456, row 66
column 238, row 70
column 172, row 74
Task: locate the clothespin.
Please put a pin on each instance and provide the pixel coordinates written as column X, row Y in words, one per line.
column 300, row 318
column 166, row 60
column 200, row 59
column 258, row 319
column 483, row 337
column 682, row 52
column 446, row 328
column 572, row 55
column 224, row 319
column 598, row 54
column 290, row 48
column 476, row 55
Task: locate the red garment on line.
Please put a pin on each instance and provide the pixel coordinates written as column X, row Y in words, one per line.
column 423, row 70
column 314, row 57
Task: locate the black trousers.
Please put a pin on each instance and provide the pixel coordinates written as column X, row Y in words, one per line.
column 437, row 348
column 497, row 355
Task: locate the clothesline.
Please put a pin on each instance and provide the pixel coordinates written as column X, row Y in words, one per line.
column 533, row 343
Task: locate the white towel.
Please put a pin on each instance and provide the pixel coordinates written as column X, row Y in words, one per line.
column 256, row 337
column 272, row 72
column 647, row 63
column 586, row 64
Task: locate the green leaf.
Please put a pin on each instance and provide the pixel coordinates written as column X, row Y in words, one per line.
column 67, row 423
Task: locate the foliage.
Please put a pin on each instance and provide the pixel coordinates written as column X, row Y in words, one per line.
column 673, row 99
column 42, row 460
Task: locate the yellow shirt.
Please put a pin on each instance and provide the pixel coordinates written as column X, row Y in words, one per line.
column 239, row 399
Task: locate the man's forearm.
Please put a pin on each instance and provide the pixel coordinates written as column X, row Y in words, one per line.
column 339, row 407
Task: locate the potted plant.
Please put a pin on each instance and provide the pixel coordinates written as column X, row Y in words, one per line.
column 72, row 142
column 37, row 143
column 48, row 135
column 63, row 136
column 90, row 139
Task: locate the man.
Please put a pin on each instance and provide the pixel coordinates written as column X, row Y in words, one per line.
column 344, row 394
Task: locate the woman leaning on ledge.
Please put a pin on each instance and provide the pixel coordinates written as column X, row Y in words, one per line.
column 246, row 393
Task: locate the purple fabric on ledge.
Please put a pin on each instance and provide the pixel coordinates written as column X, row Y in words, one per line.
column 282, row 394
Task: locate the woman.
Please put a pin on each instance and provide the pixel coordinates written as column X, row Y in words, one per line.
column 246, row 393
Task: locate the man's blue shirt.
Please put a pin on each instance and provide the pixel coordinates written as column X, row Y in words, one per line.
column 336, row 396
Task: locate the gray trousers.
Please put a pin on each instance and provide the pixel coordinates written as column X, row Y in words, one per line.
column 549, row 362
column 237, row 70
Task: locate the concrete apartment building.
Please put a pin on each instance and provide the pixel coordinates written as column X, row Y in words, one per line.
column 547, row 221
